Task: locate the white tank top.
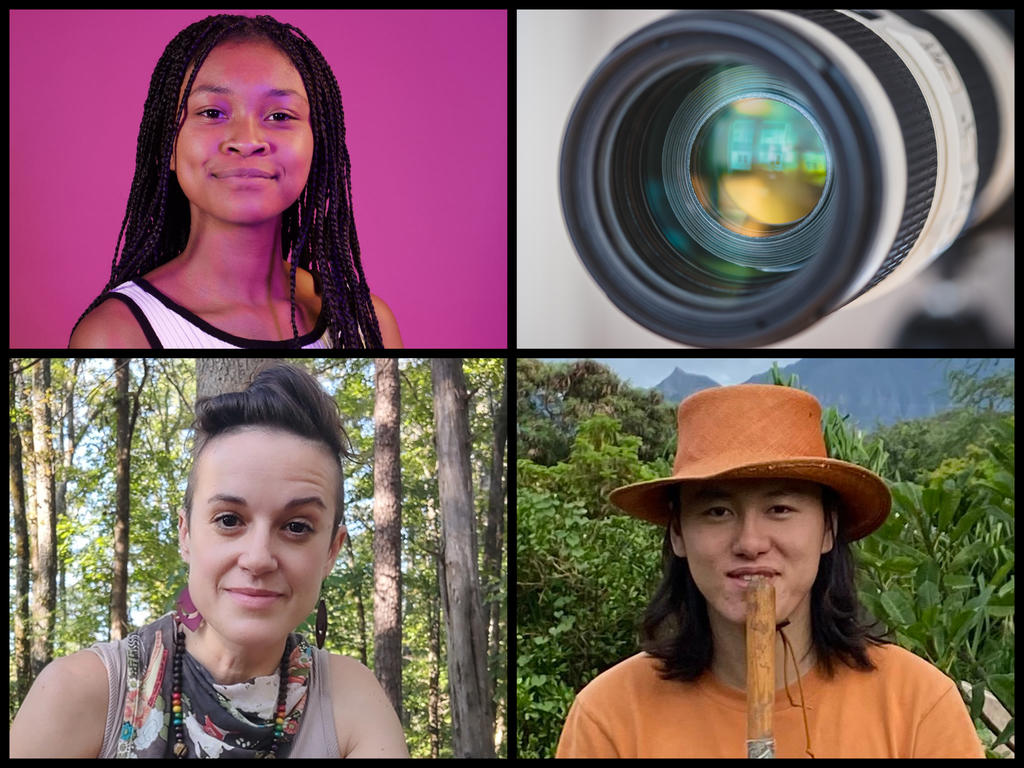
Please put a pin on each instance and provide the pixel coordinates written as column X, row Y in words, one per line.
column 168, row 325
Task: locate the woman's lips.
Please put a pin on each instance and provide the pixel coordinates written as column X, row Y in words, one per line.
column 254, row 599
column 241, row 182
column 743, row 583
column 244, row 173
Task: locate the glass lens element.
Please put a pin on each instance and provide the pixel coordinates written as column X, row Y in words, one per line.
column 758, row 167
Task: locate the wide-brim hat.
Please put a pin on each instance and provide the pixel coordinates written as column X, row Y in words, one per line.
column 758, row 431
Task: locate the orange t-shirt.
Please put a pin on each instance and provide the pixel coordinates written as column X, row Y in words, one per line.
column 905, row 708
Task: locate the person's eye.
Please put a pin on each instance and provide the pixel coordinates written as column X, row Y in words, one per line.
column 285, row 114
column 225, row 521
column 713, row 512
column 203, row 112
column 303, row 529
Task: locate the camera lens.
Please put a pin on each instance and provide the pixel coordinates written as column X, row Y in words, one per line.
column 728, row 178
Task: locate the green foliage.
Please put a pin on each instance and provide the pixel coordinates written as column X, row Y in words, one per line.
column 569, row 554
column 554, row 399
column 940, row 571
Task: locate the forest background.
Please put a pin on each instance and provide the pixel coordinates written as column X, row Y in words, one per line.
column 938, row 576
column 88, row 565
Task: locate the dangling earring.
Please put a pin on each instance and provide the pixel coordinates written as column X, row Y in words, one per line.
column 187, row 613
column 321, row 623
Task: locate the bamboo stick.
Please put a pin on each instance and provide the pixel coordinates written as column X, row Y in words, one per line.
column 760, row 667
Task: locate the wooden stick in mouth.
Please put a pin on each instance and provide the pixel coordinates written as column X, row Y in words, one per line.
column 760, row 667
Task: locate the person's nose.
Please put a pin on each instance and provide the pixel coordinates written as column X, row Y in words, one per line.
column 752, row 539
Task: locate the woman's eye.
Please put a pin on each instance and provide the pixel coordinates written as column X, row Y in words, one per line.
column 203, row 113
column 232, row 521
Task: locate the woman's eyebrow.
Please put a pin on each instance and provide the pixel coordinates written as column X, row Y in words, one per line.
column 714, row 493
column 225, row 91
column 315, row 500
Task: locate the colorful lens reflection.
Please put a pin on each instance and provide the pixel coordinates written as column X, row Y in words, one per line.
column 758, row 167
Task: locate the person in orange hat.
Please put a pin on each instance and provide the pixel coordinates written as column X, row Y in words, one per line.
column 753, row 492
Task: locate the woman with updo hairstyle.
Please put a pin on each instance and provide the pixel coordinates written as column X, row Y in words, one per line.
column 226, row 674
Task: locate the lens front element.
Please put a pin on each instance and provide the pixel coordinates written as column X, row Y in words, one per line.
column 758, row 166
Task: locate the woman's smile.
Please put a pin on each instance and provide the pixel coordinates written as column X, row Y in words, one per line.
column 254, row 598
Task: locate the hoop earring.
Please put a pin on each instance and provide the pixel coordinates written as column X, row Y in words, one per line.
column 321, row 623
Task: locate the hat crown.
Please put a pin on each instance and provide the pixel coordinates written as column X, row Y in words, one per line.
column 726, row 427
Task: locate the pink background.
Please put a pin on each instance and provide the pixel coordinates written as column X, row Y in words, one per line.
column 425, row 95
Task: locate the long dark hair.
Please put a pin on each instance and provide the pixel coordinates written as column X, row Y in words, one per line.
column 281, row 396
column 318, row 231
column 676, row 628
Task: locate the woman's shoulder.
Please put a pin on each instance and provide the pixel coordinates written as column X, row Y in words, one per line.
column 389, row 332
column 110, row 325
column 70, row 697
column 639, row 672
column 364, row 719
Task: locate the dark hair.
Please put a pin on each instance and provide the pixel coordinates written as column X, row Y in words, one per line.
column 676, row 628
column 318, row 231
column 280, row 397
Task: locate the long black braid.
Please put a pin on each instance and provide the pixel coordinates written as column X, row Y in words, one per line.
column 318, row 231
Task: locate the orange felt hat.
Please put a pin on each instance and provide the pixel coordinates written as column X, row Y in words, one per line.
column 758, row 431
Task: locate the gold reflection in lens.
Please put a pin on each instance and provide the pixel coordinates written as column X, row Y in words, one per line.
column 758, row 167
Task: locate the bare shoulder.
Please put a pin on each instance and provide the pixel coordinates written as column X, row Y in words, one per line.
column 111, row 325
column 70, row 698
column 388, row 325
column 364, row 719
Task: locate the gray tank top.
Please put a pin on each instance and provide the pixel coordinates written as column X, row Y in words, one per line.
column 316, row 736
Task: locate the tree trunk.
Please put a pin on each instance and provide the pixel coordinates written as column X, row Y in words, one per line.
column 19, row 520
column 467, row 630
column 215, row 376
column 387, row 534
column 44, row 582
column 122, row 518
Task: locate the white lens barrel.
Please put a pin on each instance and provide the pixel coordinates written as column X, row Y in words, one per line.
column 994, row 49
column 956, row 147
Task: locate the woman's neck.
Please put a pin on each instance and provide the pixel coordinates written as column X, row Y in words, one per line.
column 240, row 265
column 229, row 663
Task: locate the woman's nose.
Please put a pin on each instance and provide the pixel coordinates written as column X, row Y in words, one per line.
column 752, row 537
column 258, row 554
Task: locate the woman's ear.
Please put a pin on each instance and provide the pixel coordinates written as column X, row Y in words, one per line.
column 183, row 535
column 675, row 533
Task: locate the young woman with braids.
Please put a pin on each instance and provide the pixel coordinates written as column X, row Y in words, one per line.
column 239, row 230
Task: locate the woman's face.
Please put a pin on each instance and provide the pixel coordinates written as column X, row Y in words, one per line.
column 248, row 112
column 777, row 526
column 263, row 508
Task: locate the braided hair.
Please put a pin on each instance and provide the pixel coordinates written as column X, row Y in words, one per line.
column 318, row 230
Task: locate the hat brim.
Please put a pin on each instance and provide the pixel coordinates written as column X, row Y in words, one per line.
column 865, row 498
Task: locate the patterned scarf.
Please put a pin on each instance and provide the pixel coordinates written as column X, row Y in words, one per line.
column 220, row 720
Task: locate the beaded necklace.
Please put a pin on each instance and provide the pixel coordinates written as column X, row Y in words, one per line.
column 177, row 716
